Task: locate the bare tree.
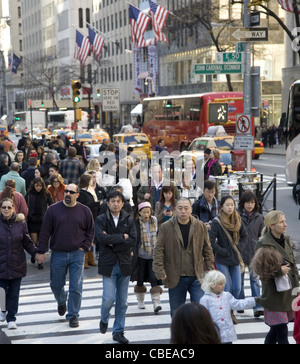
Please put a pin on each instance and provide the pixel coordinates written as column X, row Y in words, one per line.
column 44, row 74
column 204, row 16
column 294, row 35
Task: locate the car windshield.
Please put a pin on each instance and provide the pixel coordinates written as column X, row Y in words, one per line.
column 85, row 136
column 198, row 145
column 224, row 144
column 225, row 159
column 135, row 139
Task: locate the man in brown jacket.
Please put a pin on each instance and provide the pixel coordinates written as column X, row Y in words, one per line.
column 182, row 249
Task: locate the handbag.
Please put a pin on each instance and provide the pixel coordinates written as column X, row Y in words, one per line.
column 283, row 283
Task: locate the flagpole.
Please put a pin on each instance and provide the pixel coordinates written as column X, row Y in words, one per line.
column 106, row 36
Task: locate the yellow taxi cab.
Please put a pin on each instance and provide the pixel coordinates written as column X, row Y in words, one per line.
column 99, row 134
column 223, row 143
column 138, row 141
column 82, row 136
column 259, row 148
column 4, row 130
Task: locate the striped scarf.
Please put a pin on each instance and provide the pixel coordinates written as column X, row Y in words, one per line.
column 148, row 241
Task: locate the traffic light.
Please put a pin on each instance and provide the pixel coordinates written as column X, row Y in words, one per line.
column 76, row 86
column 98, row 92
column 169, row 104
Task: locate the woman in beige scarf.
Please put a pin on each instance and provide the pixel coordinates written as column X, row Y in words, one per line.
column 227, row 235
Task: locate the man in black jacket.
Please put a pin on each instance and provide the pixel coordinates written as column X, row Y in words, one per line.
column 116, row 236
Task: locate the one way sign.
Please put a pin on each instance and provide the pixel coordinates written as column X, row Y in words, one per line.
column 249, row 35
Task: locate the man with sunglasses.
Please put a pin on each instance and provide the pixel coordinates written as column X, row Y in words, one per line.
column 69, row 226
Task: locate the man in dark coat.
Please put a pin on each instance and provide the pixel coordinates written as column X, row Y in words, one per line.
column 116, row 236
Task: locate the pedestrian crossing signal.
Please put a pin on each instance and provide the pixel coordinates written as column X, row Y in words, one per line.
column 76, row 86
column 218, row 113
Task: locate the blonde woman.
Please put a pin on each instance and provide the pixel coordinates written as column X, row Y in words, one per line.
column 213, row 166
column 94, row 165
column 277, row 305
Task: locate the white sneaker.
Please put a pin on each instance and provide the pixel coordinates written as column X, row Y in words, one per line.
column 2, row 316
column 12, row 325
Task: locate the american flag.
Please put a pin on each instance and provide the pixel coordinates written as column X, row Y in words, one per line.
column 159, row 18
column 82, row 47
column 97, row 43
column 139, row 22
column 288, row 5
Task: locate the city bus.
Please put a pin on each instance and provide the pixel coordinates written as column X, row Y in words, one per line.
column 292, row 169
column 64, row 119
column 180, row 119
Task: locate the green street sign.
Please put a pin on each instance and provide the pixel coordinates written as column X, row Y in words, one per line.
column 214, row 69
column 239, row 46
column 228, row 57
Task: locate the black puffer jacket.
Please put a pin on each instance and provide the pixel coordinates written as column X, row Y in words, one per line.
column 14, row 238
column 112, row 245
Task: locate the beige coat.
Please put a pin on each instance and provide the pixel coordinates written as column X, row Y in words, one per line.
column 166, row 255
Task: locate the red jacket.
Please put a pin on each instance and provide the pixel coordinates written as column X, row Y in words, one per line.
column 296, row 334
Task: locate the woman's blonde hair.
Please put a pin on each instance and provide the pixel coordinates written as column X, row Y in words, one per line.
column 211, row 279
column 273, row 217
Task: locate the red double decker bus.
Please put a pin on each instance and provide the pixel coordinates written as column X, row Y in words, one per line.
column 180, row 119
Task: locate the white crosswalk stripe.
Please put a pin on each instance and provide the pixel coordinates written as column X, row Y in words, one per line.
column 38, row 321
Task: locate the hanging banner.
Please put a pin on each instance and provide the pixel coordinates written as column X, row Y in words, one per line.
column 138, row 69
column 152, row 69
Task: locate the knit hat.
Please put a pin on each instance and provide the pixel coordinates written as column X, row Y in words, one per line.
column 142, row 205
column 33, row 155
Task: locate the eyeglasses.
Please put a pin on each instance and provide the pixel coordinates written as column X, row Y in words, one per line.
column 6, row 207
column 56, row 181
column 70, row 192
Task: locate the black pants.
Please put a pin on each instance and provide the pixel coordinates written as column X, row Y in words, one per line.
column 277, row 334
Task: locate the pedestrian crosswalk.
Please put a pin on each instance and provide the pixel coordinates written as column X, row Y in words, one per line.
column 39, row 323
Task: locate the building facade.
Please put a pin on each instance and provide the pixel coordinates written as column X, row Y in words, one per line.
column 43, row 33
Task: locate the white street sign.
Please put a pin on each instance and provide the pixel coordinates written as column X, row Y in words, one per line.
column 242, row 142
column 249, row 35
column 111, row 99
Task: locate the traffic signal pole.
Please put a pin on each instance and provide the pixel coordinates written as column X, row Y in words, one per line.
column 247, row 79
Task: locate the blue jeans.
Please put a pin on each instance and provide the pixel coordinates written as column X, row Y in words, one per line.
column 255, row 290
column 61, row 262
column 177, row 295
column 233, row 278
column 115, row 290
column 12, row 289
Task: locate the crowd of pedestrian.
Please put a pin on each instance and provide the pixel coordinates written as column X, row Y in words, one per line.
column 53, row 199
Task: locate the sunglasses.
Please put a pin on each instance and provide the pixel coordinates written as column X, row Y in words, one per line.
column 6, row 207
column 70, row 192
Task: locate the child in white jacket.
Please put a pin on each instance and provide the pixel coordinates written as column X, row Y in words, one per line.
column 220, row 304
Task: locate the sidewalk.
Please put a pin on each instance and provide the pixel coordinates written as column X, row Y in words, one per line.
column 277, row 149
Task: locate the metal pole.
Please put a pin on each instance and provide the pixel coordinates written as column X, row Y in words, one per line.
column 247, row 79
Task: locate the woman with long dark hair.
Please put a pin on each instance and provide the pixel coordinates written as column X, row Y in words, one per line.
column 227, row 234
column 38, row 199
column 166, row 204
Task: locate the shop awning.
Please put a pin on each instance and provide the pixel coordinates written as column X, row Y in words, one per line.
column 138, row 110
